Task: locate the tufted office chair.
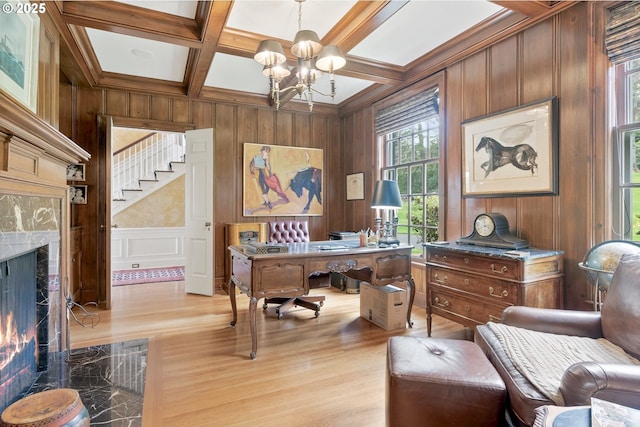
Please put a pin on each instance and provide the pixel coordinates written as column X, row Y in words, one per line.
column 292, row 232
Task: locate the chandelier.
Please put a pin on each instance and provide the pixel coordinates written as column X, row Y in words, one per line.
column 312, row 57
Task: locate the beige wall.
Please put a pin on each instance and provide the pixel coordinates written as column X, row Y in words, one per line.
column 163, row 208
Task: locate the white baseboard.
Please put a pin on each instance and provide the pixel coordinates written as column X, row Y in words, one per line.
column 147, row 247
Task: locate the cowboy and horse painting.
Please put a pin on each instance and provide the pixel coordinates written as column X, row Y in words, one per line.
column 281, row 181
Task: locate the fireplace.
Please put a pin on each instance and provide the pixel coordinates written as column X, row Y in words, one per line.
column 30, row 300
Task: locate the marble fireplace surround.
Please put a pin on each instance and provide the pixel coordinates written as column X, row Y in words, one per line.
column 28, row 223
column 31, row 224
column 110, row 378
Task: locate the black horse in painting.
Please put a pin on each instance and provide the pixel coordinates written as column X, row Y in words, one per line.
column 311, row 179
column 522, row 156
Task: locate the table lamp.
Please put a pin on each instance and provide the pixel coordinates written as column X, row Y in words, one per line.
column 386, row 196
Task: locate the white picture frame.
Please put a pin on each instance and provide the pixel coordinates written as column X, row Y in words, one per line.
column 78, row 194
column 19, row 40
column 76, row 172
column 355, row 186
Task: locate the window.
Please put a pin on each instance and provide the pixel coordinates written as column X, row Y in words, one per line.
column 626, row 155
column 622, row 43
column 411, row 153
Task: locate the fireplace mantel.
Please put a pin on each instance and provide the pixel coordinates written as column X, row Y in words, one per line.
column 19, row 123
column 33, row 165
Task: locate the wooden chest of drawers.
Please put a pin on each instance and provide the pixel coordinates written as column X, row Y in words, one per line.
column 472, row 285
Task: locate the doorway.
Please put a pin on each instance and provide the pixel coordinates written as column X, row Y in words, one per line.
column 147, row 205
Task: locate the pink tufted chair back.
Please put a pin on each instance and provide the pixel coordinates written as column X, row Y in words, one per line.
column 288, row 231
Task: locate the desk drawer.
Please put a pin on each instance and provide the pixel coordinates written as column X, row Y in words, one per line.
column 463, row 310
column 501, row 291
column 494, row 266
column 242, row 270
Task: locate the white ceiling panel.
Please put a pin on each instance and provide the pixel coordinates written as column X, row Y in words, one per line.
column 118, row 53
column 421, row 26
column 279, row 18
column 236, row 73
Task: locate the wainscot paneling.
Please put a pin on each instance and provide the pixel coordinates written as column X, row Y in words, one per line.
column 147, row 247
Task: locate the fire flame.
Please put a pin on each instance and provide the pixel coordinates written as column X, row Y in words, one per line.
column 11, row 342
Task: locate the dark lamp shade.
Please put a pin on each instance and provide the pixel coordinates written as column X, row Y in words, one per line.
column 386, row 195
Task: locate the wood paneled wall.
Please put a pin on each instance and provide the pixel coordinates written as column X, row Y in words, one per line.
column 562, row 56
column 233, row 124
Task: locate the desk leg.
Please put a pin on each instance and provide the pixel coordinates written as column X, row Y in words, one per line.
column 232, row 298
column 411, row 287
column 253, row 303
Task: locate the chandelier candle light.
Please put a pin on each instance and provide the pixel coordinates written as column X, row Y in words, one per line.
column 313, row 58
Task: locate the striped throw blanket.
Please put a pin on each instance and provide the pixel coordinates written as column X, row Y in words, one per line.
column 542, row 358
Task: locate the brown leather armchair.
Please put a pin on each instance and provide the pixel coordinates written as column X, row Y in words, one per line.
column 292, row 232
column 618, row 322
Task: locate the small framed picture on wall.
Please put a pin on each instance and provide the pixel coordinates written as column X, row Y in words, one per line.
column 76, row 172
column 78, row 194
column 355, row 186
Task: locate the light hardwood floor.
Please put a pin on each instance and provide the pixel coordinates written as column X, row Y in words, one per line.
column 325, row 371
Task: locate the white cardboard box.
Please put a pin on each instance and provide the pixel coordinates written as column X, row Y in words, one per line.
column 385, row 306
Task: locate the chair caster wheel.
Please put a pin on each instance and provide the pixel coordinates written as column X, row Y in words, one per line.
column 317, row 314
column 264, row 306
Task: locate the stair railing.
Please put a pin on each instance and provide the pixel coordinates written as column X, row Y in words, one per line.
column 143, row 159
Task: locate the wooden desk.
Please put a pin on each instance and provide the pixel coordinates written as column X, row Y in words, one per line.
column 287, row 274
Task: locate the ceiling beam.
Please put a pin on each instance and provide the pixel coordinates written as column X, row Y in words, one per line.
column 242, row 43
column 72, row 62
column 212, row 17
column 136, row 84
column 363, row 18
column 133, row 21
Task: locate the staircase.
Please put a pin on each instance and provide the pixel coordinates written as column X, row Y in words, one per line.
column 144, row 167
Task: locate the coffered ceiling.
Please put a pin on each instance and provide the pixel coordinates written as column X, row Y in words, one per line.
column 205, row 49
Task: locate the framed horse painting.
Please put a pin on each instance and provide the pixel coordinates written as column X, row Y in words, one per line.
column 512, row 153
column 282, row 181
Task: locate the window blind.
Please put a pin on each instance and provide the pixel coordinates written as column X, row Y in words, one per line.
column 405, row 113
column 622, row 32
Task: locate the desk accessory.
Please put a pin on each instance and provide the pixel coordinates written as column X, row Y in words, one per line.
column 267, row 248
column 386, row 196
column 492, row 230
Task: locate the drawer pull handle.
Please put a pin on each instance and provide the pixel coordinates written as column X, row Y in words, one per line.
column 438, row 279
column 466, row 260
column 500, row 271
column 444, row 304
column 494, row 318
column 502, row 294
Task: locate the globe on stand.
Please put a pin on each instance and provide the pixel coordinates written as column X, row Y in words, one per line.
column 601, row 261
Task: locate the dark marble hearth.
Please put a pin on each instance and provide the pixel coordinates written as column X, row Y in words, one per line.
column 109, row 378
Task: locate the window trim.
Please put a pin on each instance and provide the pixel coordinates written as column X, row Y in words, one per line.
column 437, row 80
